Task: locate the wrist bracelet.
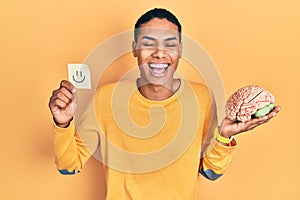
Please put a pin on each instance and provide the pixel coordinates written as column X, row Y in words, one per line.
column 220, row 138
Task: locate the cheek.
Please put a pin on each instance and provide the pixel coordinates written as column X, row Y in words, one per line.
column 174, row 54
column 175, row 58
column 143, row 55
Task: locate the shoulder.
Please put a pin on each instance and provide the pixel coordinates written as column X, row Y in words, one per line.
column 199, row 88
column 201, row 91
column 116, row 86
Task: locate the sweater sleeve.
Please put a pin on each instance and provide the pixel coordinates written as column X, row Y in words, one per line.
column 73, row 146
column 215, row 157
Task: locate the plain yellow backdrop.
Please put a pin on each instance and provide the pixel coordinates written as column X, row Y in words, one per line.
column 251, row 42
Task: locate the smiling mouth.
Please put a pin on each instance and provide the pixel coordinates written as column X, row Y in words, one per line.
column 158, row 69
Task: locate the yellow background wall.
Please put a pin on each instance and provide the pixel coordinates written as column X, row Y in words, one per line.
column 251, row 42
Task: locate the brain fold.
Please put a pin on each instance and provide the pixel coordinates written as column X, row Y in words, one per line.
column 243, row 103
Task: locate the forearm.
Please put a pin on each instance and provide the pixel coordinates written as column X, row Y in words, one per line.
column 70, row 152
column 216, row 160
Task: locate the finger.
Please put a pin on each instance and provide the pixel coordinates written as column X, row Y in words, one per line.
column 255, row 122
column 252, row 127
column 68, row 85
column 271, row 115
column 63, row 97
column 58, row 103
column 276, row 109
column 54, row 92
column 64, row 91
column 274, row 112
column 261, row 120
column 57, row 94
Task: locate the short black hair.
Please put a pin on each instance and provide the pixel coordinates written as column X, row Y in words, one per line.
column 160, row 13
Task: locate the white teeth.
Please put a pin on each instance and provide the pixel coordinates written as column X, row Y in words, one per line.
column 158, row 66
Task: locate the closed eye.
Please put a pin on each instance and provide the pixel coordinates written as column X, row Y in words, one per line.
column 148, row 44
column 170, row 45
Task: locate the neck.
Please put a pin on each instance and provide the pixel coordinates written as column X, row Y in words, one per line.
column 158, row 92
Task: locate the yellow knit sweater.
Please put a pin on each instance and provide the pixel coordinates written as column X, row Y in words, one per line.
column 149, row 149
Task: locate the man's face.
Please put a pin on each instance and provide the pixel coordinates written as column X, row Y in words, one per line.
column 158, row 50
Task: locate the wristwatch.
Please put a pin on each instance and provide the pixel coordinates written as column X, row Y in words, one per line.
column 220, row 138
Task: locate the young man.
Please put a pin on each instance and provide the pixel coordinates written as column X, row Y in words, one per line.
column 154, row 135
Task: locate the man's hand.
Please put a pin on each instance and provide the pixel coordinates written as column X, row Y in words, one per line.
column 63, row 104
column 230, row 128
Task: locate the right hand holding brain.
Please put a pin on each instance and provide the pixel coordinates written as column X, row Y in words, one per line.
column 246, row 109
column 63, row 103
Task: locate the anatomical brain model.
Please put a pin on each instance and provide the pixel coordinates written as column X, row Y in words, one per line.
column 248, row 102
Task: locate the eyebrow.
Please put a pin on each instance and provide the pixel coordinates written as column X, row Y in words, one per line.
column 170, row 38
column 148, row 37
column 152, row 38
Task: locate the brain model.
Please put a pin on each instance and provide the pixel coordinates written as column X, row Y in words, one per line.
column 248, row 102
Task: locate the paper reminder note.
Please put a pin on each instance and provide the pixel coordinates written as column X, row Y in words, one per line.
column 79, row 75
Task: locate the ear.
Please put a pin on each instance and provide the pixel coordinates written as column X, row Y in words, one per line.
column 180, row 49
column 133, row 46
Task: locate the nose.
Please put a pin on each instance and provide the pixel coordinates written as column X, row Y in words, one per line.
column 159, row 53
